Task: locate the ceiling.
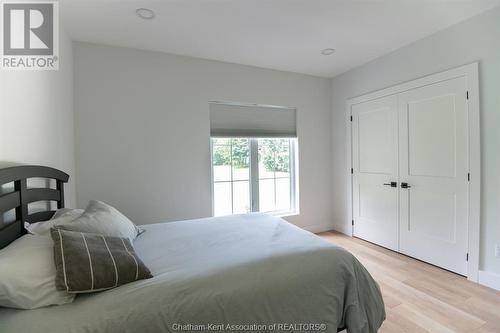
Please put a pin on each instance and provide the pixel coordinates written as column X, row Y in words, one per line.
column 285, row 35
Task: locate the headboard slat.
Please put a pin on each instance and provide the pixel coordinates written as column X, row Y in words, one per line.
column 39, row 194
column 13, row 173
column 9, row 201
column 40, row 216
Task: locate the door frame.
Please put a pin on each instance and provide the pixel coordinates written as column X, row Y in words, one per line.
column 471, row 73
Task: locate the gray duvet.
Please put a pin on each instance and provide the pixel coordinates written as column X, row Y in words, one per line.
column 237, row 273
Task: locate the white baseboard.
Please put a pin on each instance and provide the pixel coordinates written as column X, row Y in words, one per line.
column 343, row 228
column 489, row 279
column 317, row 228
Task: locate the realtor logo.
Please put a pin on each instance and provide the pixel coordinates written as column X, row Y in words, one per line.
column 30, row 35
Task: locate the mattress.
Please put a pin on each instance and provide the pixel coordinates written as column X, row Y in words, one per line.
column 245, row 272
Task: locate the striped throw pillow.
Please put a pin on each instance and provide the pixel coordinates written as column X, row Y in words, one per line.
column 87, row 263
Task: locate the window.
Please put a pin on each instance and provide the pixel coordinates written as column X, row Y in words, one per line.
column 254, row 175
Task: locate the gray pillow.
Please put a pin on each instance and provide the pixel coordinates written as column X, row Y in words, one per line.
column 88, row 263
column 67, row 211
column 61, row 216
column 101, row 218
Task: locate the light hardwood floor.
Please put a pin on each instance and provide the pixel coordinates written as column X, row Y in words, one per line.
column 423, row 298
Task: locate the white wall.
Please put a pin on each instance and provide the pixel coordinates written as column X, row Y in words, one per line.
column 142, row 130
column 477, row 39
column 36, row 116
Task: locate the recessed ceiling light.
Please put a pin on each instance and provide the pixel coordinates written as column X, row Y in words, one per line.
column 145, row 13
column 328, row 51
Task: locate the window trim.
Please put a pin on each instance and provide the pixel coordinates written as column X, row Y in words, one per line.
column 254, row 178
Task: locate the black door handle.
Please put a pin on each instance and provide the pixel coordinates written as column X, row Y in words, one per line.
column 392, row 184
column 405, row 185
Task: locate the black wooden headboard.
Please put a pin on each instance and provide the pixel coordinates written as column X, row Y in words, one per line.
column 20, row 196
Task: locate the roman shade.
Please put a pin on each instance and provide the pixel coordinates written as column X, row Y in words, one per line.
column 236, row 120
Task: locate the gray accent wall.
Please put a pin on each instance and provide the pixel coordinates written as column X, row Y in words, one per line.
column 143, row 131
column 477, row 39
column 36, row 116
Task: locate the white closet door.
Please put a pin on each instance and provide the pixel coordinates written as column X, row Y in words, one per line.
column 433, row 151
column 375, row 163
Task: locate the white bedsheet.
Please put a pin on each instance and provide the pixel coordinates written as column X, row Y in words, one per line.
column 235, row 270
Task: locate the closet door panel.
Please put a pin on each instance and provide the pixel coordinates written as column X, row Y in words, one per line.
column 375, row 163
column 434, row 163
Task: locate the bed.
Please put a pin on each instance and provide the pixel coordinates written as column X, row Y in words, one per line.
column 250, row 272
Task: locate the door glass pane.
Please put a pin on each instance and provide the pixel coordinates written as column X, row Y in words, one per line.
column 221, row 141
column 282, row 157
column 221, row 159
column 266, row 158
column 283, row 194
column 240, row 159
column 222, row 199
column 274, row 174
column 266, row 195
column 241, row 197
column 231, row 168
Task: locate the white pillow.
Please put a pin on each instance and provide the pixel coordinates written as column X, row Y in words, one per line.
column 28, row 274
column 43, row 228
column 101, row 218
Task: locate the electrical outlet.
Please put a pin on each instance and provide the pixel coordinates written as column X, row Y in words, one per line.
column 497, row 251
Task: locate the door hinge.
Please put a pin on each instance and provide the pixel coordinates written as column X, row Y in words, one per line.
column 467, row 257
column 351, row 118
column 352, row 171
column 352, row 222
column 467, row 95
column 468, row 176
